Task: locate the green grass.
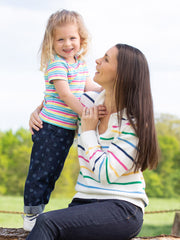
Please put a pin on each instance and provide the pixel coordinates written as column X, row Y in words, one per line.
column 154, row 224
column 159, row 223
column 8, row 203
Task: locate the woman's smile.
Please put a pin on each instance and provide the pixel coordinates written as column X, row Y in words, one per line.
column 106, row 68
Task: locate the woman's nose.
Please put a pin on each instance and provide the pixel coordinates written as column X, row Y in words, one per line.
column 98, row 61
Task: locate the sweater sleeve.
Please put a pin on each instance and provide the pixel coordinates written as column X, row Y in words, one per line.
column 109, row 165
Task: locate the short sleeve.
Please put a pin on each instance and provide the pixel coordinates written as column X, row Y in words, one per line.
column 57, row 70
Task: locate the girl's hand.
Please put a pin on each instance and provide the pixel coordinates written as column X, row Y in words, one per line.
column 89, row 118
column 102, row 111
column 34, row 121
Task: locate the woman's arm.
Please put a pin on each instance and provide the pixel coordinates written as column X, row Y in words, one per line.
column 108, row 165
column 35, row 121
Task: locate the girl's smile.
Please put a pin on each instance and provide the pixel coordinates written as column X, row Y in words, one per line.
column 68, row 50
column 67, row 41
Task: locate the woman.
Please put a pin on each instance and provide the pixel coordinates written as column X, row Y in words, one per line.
column 113, row 152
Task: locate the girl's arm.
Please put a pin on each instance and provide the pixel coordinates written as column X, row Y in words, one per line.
column 36, row 123
column 92, row 86
column 62, row 88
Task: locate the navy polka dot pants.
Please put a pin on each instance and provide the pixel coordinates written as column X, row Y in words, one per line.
column 51, row 145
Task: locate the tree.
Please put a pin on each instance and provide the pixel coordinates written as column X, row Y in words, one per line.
column 14, row 157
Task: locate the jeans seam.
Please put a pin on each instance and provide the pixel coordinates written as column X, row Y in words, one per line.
column 133, row 214
column 135, row 233
column 139, row 225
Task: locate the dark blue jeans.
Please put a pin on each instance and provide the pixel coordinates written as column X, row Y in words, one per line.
column 89, row 220
column 51, row 145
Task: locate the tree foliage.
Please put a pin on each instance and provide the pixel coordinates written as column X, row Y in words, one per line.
column 15, row 150
column 165, row 181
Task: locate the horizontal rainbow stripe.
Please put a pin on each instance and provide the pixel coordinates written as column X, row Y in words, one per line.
column 56, row 111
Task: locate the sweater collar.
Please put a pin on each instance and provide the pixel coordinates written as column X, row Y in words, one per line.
column 100, row 98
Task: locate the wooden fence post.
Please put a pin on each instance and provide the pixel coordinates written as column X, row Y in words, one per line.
column 176, row 225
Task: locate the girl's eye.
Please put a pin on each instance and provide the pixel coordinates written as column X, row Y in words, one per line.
column 106, row 60
column 72, row 38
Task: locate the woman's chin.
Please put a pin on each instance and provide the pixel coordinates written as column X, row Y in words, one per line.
column 96, row 78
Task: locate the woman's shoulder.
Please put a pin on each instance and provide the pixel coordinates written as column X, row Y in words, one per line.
column 127, row 126
column 126, row 123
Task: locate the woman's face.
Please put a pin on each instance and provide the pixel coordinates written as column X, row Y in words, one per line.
column 106, row 69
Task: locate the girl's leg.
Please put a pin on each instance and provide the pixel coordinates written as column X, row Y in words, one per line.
column 50, row 149
column 107, row 220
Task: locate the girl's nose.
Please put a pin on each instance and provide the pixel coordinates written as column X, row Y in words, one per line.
column 67, row 42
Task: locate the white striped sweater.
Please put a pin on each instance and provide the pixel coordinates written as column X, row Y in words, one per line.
column 106, row 160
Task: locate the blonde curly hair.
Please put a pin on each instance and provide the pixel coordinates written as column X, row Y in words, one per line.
column 57, row 19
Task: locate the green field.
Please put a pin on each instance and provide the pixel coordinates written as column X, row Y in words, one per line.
column 154, row 224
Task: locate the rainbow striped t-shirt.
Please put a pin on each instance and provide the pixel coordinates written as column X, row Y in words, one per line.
column 55, row 111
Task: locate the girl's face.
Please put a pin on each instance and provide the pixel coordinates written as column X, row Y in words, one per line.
column 66, row 41
column 106, row 69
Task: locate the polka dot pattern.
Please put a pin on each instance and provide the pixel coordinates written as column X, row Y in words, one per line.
column 50, row 149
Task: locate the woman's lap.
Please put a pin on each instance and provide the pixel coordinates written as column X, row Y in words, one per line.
column 97, row 220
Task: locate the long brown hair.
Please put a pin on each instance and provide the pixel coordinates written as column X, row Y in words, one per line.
column 60, row 18
column 133, row 93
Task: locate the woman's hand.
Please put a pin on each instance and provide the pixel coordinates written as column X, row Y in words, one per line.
column 35, row 121
column 89, row 119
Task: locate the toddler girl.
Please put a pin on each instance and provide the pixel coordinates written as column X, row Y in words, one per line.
column 66, row 78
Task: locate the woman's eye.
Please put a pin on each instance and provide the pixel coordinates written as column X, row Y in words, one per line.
column 106, row 60
column 60, row 39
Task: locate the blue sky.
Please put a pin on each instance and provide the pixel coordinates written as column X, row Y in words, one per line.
column 150, row 25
